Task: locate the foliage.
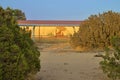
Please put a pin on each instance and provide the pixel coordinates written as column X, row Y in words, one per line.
column 18, row 55
column 17, row 14
column 97, row 30
column 111, row 62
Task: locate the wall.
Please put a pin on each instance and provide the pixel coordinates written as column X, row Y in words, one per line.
column 50, row 30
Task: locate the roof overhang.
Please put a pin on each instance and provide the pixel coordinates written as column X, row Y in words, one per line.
column 48, row 23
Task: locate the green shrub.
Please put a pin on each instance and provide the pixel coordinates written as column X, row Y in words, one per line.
column 18, row 55
column 111, row 62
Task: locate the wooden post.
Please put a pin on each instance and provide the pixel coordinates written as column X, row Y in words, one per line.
column 33, row 33
column 39, row 33
column 74, row 29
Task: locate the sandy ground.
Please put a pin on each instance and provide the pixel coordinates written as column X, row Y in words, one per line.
column 61, row 62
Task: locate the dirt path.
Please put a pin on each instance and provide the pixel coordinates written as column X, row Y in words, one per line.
column 61, row 62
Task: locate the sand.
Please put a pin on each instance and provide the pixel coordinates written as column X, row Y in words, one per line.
column 61, row 62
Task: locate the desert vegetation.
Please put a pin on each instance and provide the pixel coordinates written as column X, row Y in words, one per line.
column 111, row 62
column 19, row 58
column 102, row 31
column 97, row 30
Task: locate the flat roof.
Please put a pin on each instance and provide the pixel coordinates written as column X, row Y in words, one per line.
column 48, row 23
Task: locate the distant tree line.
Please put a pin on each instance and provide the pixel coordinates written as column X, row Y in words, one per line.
column 19, row 57
column 97, row 30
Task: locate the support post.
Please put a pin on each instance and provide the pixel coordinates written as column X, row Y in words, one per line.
column 33, row 33
column 39, row 33
column 74, row 29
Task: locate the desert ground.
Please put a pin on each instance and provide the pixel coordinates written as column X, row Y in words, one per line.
column 60, row 62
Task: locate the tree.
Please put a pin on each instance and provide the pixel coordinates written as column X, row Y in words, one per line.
column 17, row 14
column 18, row 55
column 111, row 62
column 97, row 30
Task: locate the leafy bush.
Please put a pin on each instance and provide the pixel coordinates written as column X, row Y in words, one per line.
column 111, row 62
column 18, row 55
column 97, row 30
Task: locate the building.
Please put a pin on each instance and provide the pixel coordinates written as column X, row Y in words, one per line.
column 48, row 28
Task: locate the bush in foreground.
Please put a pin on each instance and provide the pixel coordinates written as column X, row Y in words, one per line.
column 18, row 55
column 111, row 62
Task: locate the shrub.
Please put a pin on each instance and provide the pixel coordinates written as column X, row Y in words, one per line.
column 111, row 62
column 97, row 30
column 18, row 55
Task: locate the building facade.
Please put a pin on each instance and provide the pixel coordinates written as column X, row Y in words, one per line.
column 50, row 28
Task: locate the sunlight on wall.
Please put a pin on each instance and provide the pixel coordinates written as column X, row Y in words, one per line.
column 50, row 30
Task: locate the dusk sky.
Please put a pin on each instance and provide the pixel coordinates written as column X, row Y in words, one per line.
column 61, row 9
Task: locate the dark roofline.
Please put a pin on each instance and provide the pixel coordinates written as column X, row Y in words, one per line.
column 49, row 22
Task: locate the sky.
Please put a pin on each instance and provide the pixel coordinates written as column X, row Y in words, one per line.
column 61, row 9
